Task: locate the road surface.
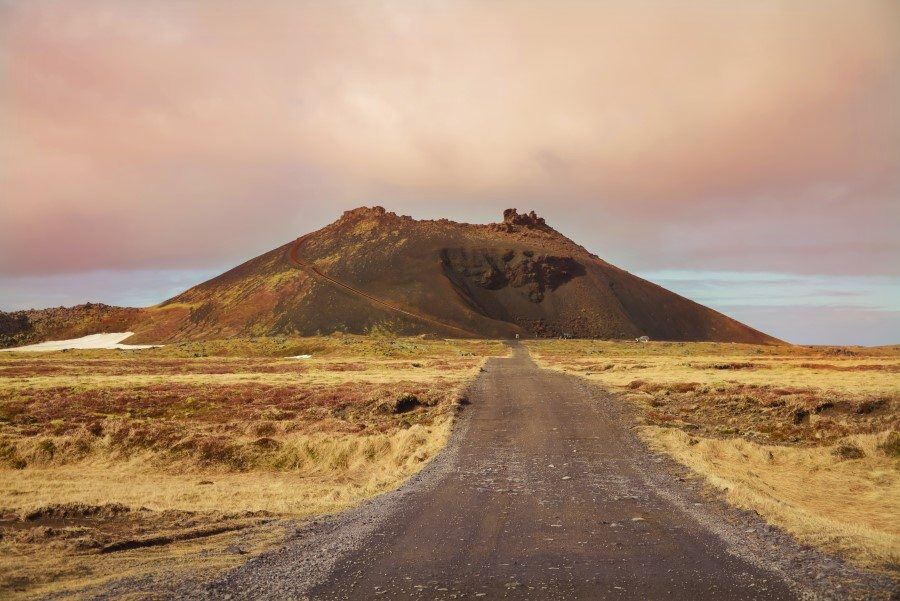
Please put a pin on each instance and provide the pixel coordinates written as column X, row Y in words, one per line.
column 543, row 493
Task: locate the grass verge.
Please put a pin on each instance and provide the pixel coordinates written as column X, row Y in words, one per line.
column 120, row 463
column 805, row 436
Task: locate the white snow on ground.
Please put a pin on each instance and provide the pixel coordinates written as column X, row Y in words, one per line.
column 93, row 341
column 300, row 357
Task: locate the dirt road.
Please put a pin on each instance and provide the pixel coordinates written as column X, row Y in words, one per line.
column 544, row 493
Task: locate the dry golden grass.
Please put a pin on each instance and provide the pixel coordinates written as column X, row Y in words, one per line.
column 46, row 560
column 307, row 474
column 805, row 436
column 210, row 431
column 849, row 506
column 875, row 371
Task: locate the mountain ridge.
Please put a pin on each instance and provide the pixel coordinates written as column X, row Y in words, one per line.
column 372, row 269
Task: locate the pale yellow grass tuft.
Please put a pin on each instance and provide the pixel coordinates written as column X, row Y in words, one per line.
column 308, row 474
column 833, row 480
column 195, row 434
column 842, row 505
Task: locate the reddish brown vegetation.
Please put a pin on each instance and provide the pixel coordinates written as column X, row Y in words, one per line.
column 860, row 367
column 786, row 415
column 201, row 420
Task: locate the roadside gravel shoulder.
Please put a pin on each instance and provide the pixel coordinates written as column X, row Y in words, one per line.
column 809, row 572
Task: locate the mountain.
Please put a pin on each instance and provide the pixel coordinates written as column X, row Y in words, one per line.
column 375, row 269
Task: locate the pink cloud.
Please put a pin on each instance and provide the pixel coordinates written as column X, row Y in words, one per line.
column 739, row 135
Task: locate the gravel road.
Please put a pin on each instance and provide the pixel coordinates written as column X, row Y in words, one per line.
column 543, row 493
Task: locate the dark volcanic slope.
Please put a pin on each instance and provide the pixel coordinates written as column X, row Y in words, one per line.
column 518, row 276
column 495, row 280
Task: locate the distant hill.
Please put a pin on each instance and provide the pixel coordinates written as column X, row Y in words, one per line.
column 375, row 269
column 35, row 325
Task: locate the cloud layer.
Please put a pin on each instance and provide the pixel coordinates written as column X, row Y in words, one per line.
column 731, row 137
column 758, row 135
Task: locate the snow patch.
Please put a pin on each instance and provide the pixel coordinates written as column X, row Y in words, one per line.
column 92, row 341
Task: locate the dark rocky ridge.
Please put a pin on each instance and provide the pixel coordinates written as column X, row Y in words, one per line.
column 493, row 270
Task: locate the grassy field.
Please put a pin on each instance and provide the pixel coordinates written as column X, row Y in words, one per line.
column 805, row 436
column 119, row 462
column 182, row 457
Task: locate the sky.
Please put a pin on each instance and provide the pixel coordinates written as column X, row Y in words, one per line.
column 744, row 154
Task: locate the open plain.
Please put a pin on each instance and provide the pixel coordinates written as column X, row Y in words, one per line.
column 805, row 436
column 614, row 470
column 119, row 462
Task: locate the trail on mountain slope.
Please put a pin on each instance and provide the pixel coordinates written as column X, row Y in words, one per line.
column 305, row 265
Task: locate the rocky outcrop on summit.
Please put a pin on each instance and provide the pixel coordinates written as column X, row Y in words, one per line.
column 530, row 219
